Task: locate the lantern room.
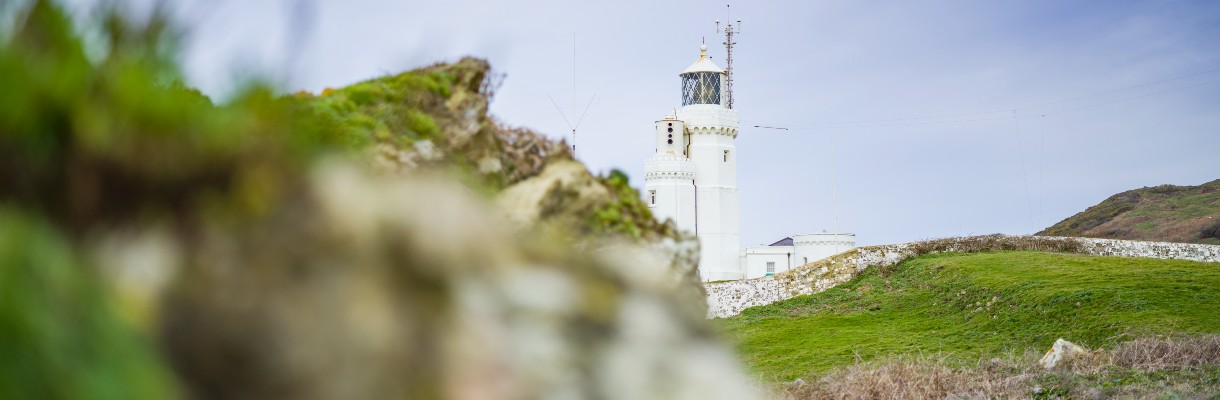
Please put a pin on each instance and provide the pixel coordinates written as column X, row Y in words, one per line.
column 702, row 82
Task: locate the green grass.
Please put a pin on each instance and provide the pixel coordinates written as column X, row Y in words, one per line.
column 1183, row 203
column 967, row 306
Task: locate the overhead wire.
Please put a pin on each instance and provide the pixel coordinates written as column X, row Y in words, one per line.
column 1029, row 204
column 1120, row 90
column 1041, row 164
column 1134, row 98
column 876, row 123
column 1024, row 174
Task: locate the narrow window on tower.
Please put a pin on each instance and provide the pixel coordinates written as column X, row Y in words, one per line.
column 652, row 197
column 770, row 268
column 726, row 156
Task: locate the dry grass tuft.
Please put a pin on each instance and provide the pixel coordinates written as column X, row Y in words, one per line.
column 979, row 244
column 1158, row 354
column 1020, row 376
column 919, row 378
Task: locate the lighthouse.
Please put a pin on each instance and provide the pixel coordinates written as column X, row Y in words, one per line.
column 692, row 177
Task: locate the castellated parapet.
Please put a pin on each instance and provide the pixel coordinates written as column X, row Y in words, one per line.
column 669, row 167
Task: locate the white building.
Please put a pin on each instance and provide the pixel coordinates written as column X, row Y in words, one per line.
column 795, row 251
column 692, row 179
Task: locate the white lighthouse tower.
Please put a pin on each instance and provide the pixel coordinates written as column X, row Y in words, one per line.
column 692, row 178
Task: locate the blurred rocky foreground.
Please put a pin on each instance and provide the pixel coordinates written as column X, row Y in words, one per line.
column 383, row 240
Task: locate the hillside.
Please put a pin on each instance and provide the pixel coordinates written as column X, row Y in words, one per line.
column 1187, row 214
column 967, row 306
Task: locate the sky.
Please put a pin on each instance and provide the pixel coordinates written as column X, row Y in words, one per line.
column 907, row 120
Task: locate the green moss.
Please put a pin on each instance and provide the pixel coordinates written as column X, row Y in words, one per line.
column 397, row 110
column 442, row 82
column 438, row 82
column 365, row 94
column 422, row 124
column 626, row 212
column 970, row 305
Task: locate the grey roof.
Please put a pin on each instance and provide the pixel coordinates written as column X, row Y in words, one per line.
column 782, row 242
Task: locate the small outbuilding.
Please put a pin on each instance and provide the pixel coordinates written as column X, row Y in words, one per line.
column 793, row 251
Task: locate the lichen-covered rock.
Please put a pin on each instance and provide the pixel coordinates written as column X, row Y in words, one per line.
column 352, row 244
column 562, row 197
column 377, row 285
column 1061, row 352
column 560, row 194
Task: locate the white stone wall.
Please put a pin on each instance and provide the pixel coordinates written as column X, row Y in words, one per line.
column 730, row 298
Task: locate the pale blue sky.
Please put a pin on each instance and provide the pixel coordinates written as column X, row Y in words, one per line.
column 901, row 176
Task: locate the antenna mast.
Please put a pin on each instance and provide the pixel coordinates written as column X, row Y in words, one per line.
column 573, row 93
column 573, row 123
column 729, row 31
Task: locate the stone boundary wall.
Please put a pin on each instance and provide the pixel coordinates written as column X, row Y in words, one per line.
column 727, row 299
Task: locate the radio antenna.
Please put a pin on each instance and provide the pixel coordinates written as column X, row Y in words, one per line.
column 729, row 31
column 581, row 117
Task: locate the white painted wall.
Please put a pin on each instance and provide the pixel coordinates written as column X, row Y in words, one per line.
column 812, row 247
column 669, row 189
column 713, row 130
column 671, row 136
column 756, row 259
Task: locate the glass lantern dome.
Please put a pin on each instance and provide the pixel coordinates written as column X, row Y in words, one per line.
column 701, row 82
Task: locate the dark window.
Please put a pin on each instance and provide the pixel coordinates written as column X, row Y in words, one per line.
column 726, row 156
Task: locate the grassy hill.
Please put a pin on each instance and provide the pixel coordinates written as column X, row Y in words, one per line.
column 967, row 306
column 1188, row 214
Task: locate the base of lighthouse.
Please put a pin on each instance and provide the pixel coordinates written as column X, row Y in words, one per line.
column 720, row 259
